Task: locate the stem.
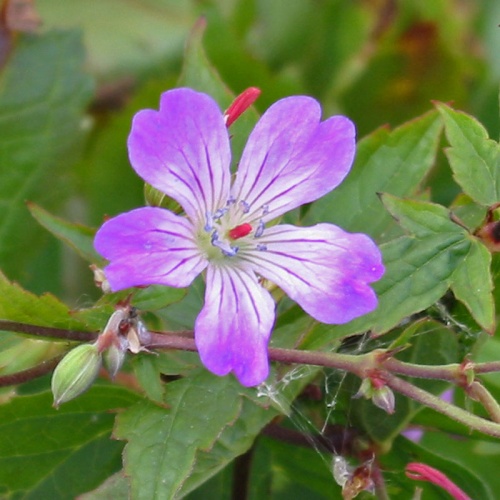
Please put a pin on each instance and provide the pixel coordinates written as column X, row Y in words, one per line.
column 378, row 481
column 241, row 475
column 478, row 392
column 360, row 365
column 449, row 373
column 434, row 402
column 31, row 373
column 46, row 331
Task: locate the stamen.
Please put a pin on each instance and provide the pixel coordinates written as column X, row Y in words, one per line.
column 209, row 225
column 245, row 207
column 260, row 229
column 261, row 247
column 231, row 201
column 226, row 249
column 265, row 209
column 240, row 231
column 220, row 212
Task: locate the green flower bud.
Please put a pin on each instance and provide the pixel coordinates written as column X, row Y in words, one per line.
column 115, row 356
column 75, row 373
column 155, row 198
column 384, row 399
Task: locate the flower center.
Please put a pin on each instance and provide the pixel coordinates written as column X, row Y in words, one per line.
column 224, row 227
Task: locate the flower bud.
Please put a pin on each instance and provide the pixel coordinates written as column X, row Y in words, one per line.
column 115, row 356
column 155, row 198
column 384, row 399
column 75, row 373
column 382, row 396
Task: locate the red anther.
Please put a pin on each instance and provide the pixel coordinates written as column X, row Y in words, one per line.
column 240, row 231
column 241, row 104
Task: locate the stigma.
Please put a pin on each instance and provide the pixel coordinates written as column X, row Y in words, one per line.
column 240, row 231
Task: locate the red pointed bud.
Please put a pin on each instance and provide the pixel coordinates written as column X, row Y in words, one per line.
column 240, row 105
column 424, row 472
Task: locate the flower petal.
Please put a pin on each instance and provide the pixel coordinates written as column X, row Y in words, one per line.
column 233, row 328
column 149, row 246
column 323, row 268
column 291, row 158
column 183, row 150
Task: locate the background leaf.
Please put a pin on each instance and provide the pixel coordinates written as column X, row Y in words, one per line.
column 474, row 158
column 164, row 442
column 43, row 95
column 50, row 466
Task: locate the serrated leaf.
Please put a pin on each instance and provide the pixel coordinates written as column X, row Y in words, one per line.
column 163, row 442
column 43, row 95
column 77, row 434
column 472, row 284
column 77, row 236
column 474, row 158
column 17, row 304
column 390, row 162
column 421, row 218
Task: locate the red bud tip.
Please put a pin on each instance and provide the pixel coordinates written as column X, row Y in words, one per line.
column 240, row 105
column 240, row 231
column 424, row 472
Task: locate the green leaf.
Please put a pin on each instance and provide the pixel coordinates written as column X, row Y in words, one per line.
column 43, row 95
column 116, row 486
column 474, row 158
column 390, row 162
column 17, row 304
column 472, row 284
column 50, row 465
column 164, row 442
column 144, row 34
column 421, row 218
column 77, row 236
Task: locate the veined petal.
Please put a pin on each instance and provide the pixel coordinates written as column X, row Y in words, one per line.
column 291, row 158
column 149, row 246
column 232, row 330
column 183, row 150
column 323, row 268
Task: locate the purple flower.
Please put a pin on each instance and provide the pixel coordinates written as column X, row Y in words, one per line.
column 291, row 158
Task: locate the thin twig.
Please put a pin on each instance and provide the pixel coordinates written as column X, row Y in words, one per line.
column 31, row 373
column 47, row 331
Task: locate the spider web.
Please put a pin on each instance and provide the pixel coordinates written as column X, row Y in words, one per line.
column 336, row 394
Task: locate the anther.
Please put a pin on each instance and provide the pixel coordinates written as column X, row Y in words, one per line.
column 245, row 207
column 261, row 247
column 220, row 212
column 260, row 229
column 209, row 225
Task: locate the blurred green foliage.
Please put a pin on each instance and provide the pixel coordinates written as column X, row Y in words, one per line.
column 68, row 92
